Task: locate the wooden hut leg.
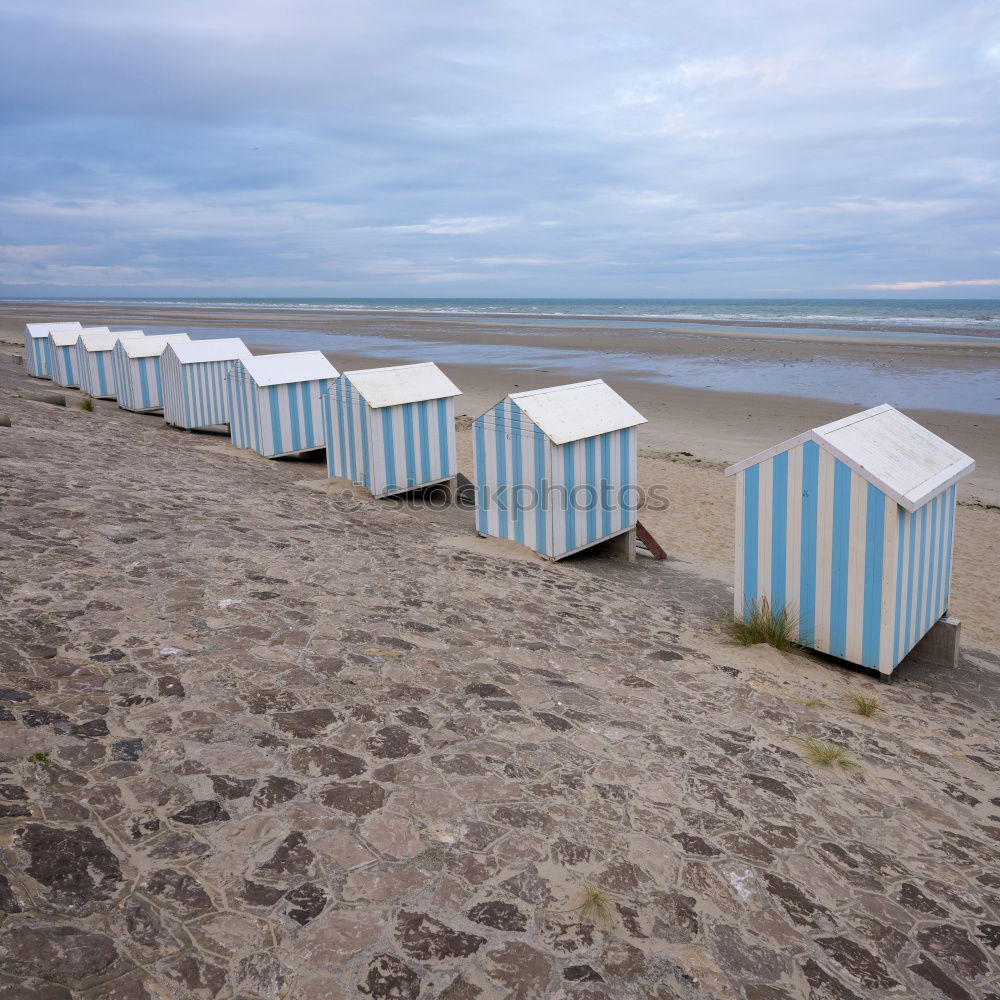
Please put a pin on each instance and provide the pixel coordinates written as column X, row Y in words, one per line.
column 622, row 546
column 939, row 647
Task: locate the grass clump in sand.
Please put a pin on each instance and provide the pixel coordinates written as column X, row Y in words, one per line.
column 761, row 623
column 596, row 907
column 866, row 705
column 86, row 404
column 824, row 754
column 42, row 757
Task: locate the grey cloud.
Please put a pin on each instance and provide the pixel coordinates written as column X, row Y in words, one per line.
column 501, row 148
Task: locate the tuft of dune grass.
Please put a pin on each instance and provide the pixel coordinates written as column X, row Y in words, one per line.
column 760, row 623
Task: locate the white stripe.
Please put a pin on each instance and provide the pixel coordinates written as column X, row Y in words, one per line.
column 740, row 512
column 793, row 515
column 890, row 536
column 857, row 536
column 764, row 533
column 824, row 550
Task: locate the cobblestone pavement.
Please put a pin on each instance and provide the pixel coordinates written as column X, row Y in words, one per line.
column 261, row 739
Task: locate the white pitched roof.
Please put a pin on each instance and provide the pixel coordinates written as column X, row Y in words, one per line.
column 67, row 338
column 100, row 341
column 150, row 347
column 897, row 455
column 224, row 349
column 401, row 384
column 581, row 410
column 42, row 329
column 296, row 366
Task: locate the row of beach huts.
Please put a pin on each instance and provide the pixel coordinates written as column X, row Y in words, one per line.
column 849, row 526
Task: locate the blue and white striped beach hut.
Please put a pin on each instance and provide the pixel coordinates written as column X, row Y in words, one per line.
column 275, row 402
column 392, row 430
column 62, row 354
column 556, row 469
column 194, row 380
column 138, row 381
column 94, row 365
column 36, row 346
column 850, row 527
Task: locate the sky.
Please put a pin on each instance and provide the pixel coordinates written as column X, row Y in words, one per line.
column 539, row 148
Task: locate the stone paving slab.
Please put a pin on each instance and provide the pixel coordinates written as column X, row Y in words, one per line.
column 262, row 738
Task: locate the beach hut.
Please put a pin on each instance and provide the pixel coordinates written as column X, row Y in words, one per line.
column 94, row 366
column 194, row 380
column 36, row 346
column 62, row 354
column 555, row 469
column 275, row 404
column 392, row 430
column 849, row 526
column 138, row 381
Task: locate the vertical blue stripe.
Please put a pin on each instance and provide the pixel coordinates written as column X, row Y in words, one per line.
column 629, row 513
column 911, row 589
column 159, row 382
column 244, row 392
column 920, row 611
column 446, row 428
column 517, row 499
column 186, row 392
column 939, row 564
column 336, row 457
column 388, row 449
column 931, row 607
column 423, row 425
column 102, row 375
column 569, row 479
column 366, row 444
column 326, row 404
column 949, row 546
column 143, row 384
column 590, row 467
column 807, row 559
column 288, row 391
column 256, row 415
column 502, row 497
column 751, row 512
column 357, row 434
column 482, row 486
column 305, row 390
column 779, row 529
column 840, row 562
column 70, row 377
column 409, row 443
column 606, row 485
column 898, row 617
column 871, row 634
column 541, row 494
column 273, row 405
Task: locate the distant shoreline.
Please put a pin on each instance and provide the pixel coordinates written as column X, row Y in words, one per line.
column 969, row 326
column 719, row 395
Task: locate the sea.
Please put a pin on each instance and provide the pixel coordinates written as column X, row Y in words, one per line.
column 969, row 327
column 967, row 315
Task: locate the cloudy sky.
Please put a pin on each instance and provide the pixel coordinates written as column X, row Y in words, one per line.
column 523, row 148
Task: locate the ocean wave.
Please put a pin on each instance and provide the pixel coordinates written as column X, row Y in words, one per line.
column 875, row 314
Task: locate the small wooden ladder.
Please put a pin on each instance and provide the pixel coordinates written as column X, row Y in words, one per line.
column 648, row 541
